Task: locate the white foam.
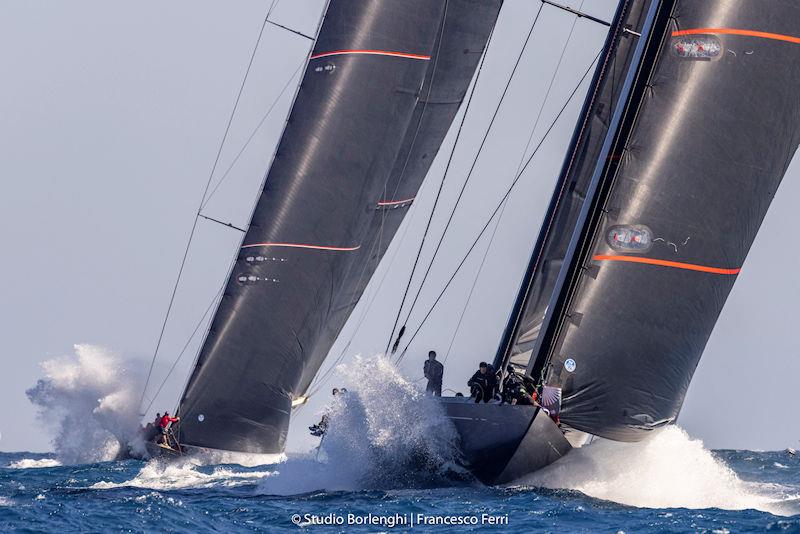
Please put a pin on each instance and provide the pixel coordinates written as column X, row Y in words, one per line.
column 182, row 474
column 383, row 433
column 89, row 402
column 31, row 463
column 215, row 457
column 5, row 501
column 668, row 470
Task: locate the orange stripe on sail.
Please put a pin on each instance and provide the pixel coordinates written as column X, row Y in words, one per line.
column 665, row 263
column 733, row 31
column 372, row 53
column 299, row 245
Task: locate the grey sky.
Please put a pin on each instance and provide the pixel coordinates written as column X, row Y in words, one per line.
column 112, row 115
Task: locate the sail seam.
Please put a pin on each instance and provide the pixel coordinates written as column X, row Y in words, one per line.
column 666, row 263
column 406, row 55
column 734, row 31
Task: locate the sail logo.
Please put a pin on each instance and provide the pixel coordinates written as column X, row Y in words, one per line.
column 630, row 238
column 569, row 365
column 697, row 47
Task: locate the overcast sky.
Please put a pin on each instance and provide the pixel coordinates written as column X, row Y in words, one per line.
column 112, row 114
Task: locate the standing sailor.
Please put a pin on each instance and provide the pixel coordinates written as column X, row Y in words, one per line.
column 433, row 371
column 164, row 425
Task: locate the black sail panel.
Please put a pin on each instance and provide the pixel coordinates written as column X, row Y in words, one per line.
column 715, row 131
column 282, row 306
column 457, row 53
column 559, row 223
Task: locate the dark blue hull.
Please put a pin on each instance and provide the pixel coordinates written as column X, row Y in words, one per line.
column 501, row 443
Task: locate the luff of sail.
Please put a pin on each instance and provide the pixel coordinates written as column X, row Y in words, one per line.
column 306, row 255
column 709, row 139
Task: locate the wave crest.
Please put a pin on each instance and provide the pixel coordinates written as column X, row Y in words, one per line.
column 89, row 401
column 667, row 470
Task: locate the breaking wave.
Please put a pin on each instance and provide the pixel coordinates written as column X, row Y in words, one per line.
column 187, row 473
column 668, row 470
column 89, row 400
column 383, row 433
column 32, row 463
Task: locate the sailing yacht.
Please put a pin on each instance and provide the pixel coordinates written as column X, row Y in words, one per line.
column 687, row 129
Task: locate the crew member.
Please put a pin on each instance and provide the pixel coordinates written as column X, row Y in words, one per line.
column 480, row 385
column 433, row 371
column 514, row 391
column 164, row 424
column 320, row 428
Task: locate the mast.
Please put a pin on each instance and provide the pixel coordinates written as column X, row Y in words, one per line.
column 511, row 331
column 618, row 130
column 572, row 187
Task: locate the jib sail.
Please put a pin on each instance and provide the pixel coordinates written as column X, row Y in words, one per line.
column 379, row 92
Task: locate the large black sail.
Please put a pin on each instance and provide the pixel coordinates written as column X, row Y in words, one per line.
column 711, row 128
column 303, row 264
column 559, row 223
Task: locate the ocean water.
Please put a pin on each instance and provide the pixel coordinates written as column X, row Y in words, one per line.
column 38, row 494
column 387, row 464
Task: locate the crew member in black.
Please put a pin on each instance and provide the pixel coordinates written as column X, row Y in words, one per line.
column 514, row 391
column 433, row 371
column 320, row 428
column 481, row 384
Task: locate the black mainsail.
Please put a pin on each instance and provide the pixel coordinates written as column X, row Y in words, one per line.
column 678, row 192
column 560, row 220
column 381, row 87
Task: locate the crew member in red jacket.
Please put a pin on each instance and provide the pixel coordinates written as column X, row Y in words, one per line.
column 163, row 426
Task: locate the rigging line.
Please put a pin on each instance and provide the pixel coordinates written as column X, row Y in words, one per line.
column 253, row 133
column 229, row 225
column 301, row 34
column 424, row 105
column 408, row 157
column 200, row 207
column 320, row 380
column 474, row 283
column 578, row 12
column 272, row 6
column 183, row 350
column 439, row 192
column 323, row 378
column 376, row 242
column 474, row 163
column 497, row 208
column 374, row 295
column 261, row 188
column 519, row 167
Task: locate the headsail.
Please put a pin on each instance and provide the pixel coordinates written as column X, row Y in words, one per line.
column 380, row 89
column 711, row 126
